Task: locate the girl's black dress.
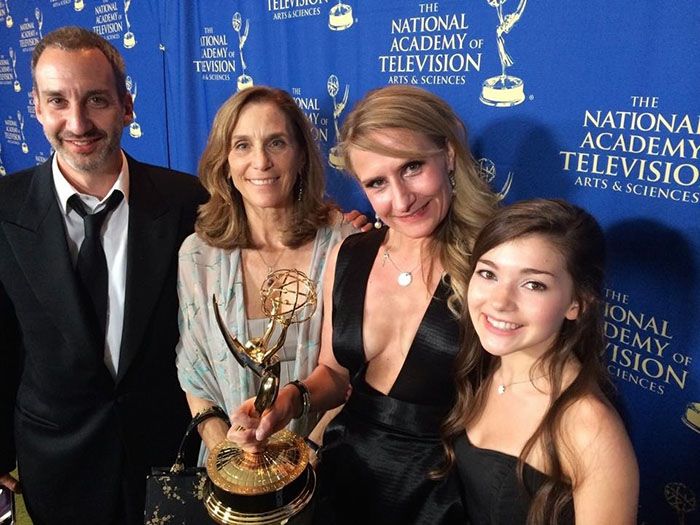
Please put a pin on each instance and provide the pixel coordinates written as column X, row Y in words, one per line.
column 492, row 493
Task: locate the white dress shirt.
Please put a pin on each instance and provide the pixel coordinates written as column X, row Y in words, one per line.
column 114, row 241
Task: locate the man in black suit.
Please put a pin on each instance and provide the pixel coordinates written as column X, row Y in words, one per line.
column 88, row 402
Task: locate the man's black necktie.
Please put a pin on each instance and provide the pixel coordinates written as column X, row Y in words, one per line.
column 92, row 263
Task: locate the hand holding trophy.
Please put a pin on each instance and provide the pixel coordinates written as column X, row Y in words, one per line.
column 270, row 486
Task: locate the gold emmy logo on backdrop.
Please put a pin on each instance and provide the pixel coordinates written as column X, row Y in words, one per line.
column 8, row 17
column 78, row 5
column 681, row 499
column 691, row 417
column 39, row 20
column 504, row 90
column 134, row 127
column 16, row 85
column 244, row 80
column 340, row 16
column 488, row 172
column 3, row 172
column 20, row 119
column 335, row 159
column 271, row 486
column 129, row 38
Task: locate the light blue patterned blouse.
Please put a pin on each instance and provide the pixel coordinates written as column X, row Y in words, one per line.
column 205, row 365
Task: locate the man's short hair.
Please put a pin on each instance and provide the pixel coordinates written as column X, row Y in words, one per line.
column 73, row 38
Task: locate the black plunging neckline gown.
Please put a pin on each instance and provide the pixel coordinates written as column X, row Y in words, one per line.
column 380, row 449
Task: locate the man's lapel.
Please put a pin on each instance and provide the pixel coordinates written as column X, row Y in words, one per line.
column 38, row 239
column 153, row 235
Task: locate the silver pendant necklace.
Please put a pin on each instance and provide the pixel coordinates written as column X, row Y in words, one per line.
column 501, row 389
column 405, row 278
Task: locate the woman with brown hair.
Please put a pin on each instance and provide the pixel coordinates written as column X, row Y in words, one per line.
column 532, row 435
column 391, row 329
column 266, row 211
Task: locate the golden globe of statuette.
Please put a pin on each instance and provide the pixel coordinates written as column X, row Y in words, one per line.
column 272, row 486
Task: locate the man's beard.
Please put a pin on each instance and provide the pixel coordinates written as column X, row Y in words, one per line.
column 90, row 162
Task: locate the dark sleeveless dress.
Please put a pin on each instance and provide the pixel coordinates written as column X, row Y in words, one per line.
column 492, row 493
column 379, row 450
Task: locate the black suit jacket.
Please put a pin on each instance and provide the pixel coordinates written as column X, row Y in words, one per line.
column 84, row 441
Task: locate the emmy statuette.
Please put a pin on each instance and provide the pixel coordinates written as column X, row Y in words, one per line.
column 3, row 171
column 39, row 20
column 16, row 84
column 134, row 128
column 20, row 119
column 244, row 79
column 335, row 157
column 9, row 22
column 276, row 484
column 488, row 172
column 129, row 38
column 504, row 90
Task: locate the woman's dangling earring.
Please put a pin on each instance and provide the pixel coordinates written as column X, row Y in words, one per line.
column 300, row 193
column 453, row 182
column 377, row 222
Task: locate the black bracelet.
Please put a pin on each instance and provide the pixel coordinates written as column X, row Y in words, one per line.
column 212, row 411
column 199, row 417
column 305, row 397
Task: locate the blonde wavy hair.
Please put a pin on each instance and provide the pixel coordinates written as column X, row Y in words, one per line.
column 419, row 111
column 222, row 221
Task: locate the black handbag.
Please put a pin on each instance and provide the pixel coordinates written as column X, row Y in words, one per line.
column 175, row 495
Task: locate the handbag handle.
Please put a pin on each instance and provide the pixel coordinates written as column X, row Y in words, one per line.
column 214, row 411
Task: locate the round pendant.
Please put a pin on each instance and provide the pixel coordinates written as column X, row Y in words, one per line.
column 405, row 278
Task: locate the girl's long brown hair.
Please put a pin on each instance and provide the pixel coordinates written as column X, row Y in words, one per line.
column 579, row 239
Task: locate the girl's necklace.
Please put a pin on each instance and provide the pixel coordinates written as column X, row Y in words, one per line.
column 501, row 388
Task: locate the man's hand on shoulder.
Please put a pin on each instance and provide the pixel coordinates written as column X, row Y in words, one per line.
column 358, row 220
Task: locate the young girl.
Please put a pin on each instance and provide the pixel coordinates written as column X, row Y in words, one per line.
column 532, row 435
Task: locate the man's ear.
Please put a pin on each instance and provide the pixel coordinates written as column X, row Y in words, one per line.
column 37, row 106
column 128, row 109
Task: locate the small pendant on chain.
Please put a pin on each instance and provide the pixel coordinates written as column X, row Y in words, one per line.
column 404, row 279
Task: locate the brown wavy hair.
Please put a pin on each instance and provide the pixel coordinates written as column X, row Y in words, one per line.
column 419, row 111
column 222, row 220
column 576, row 235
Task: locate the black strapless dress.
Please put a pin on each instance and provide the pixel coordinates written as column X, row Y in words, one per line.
column 492, row 493
column 379, row 450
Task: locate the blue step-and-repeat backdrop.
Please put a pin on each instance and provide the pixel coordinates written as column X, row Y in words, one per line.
column 596, row 101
